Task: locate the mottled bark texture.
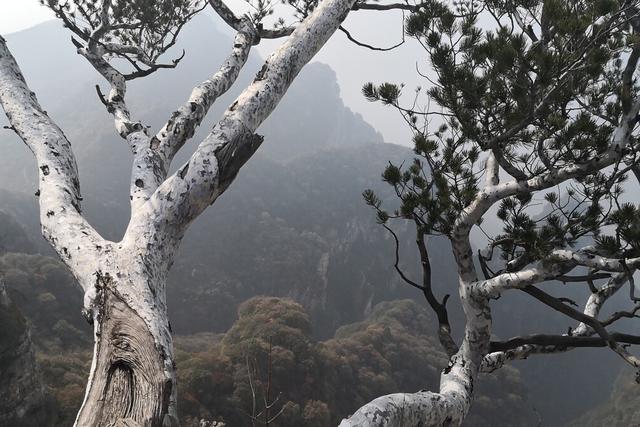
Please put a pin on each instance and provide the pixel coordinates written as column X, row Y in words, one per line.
column 132, row 380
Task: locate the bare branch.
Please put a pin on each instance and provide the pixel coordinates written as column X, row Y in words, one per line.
column 368, row 46
column 396, row 263
column 440, row 308
column 562, row 341
column 588, row 320
column 235, row 22
column 383, row 7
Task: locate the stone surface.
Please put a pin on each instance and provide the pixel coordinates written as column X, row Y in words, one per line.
column 22, row 396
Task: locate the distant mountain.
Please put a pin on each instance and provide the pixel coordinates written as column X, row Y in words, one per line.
column 292, row 225
column 299, row 230
column 619, row 409
column 13, row 236
column 314, row 114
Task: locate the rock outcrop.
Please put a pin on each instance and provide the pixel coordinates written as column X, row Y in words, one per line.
column 22, row 396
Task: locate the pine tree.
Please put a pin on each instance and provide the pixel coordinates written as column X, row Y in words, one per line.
column 532, row 106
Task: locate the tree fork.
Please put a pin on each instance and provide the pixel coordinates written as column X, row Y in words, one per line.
column 132, row 379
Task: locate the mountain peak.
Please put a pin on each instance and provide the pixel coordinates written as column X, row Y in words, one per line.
column 312, row 115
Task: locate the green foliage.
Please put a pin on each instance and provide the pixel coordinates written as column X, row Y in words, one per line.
column 540, row 84
column 625, row 239
column 150, row 26
column 387, row 93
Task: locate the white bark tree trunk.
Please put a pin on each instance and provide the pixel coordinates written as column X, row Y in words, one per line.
column 133, row 375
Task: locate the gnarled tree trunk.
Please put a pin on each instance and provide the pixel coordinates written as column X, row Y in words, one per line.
column 133, row 379
column 133, row 373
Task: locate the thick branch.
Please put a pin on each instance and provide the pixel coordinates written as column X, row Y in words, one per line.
column 75, row 241
column 451, row 404
column 596, row 300
column 564, row 341
column 235, row 22
column 232, row 142
column 493, row 287
column 552, row 267
column 149, row 169
column 492, row 170
column 185, row 121
column 407, row 409
column 590, row 260
column 153, row 156
column 115, row 100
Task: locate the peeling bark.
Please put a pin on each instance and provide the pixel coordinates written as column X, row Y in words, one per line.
column 130, row 381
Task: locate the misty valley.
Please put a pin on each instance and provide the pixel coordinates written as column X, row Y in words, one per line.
column 306, row 257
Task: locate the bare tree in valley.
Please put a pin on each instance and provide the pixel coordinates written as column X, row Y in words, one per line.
column 132, row 379
column 532, row 122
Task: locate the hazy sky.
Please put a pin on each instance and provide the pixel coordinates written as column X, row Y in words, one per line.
column 353, row 65
column 16, row 15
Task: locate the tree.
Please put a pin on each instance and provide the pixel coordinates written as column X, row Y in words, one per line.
column 536, row 117
column 133, row 378
column 318, row 383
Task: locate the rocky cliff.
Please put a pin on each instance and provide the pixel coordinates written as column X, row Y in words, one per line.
column 22, row 395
